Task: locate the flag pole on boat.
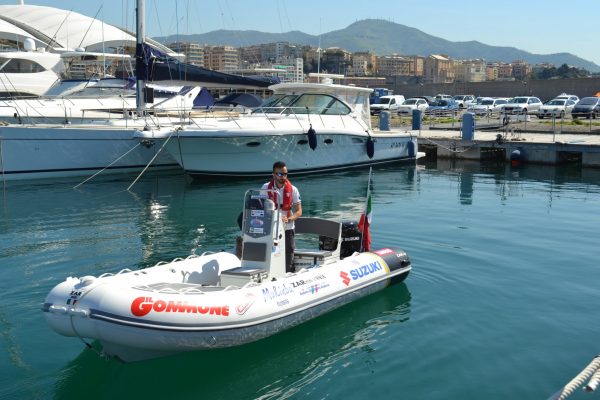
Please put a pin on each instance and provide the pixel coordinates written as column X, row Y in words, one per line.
column 365, row 219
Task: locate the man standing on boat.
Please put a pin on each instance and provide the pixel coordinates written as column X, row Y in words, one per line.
column 288, row 200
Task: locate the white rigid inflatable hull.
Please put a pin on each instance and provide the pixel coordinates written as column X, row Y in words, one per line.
column 170, row 308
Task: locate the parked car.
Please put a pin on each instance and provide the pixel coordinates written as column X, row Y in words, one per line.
column 411, row 104
column 387, row 103
column 556, row 108
column 564, row 96
column 487, row 106
column 443, row 107
column 429, row 99
column 588, row 107
column 521, row 105
column 441, row 96
column 464, row 100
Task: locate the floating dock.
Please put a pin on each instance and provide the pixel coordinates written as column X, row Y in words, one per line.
column 540, row 148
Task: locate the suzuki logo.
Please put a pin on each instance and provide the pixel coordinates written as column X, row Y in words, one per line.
column 345, row 278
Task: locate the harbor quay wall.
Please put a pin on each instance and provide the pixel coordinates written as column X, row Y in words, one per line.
column 536, row 153
column 532, row 148
column 544, row 89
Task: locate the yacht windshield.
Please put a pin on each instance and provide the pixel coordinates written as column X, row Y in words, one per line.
column 19, row 66
column 303, row 104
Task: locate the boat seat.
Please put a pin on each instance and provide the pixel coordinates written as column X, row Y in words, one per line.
column 316, row 226
column 316, row 255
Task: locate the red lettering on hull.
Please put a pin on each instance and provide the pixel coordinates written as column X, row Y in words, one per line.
column 141, row 306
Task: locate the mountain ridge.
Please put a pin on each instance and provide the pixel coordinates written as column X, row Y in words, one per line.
column 382, row 38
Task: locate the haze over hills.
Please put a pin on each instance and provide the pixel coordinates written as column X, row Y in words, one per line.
column 383, row 38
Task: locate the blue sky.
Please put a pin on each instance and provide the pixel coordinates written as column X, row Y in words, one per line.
column 540, row 26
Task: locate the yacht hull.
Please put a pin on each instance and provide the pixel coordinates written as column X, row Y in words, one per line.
column 35, row 152
column 253, row 154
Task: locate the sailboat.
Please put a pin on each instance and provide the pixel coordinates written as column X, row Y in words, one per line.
column 72, row 139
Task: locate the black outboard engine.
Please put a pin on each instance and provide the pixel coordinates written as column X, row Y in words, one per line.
column 351, row 238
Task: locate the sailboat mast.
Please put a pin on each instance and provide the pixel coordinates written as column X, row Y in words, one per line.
column 140, row 72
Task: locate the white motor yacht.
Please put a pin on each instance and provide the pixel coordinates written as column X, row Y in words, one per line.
column 312, row 126
column 28, row 73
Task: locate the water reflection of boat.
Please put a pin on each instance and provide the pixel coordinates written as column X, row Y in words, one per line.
column 271, row 368
column 217, row 300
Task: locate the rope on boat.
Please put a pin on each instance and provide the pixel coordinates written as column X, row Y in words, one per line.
column 124, row 270
column 108, row 166
column 593, row 383
column 154, row 158
column 2, row 162
column 592, row 368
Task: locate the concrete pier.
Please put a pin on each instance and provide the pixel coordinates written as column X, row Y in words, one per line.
column 540, row 148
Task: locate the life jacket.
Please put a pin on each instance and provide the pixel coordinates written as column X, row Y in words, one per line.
column 287, row 196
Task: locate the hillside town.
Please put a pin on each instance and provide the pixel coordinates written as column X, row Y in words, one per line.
column 290, row 63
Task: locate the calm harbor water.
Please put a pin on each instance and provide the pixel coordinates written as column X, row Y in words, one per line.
column 502, row 302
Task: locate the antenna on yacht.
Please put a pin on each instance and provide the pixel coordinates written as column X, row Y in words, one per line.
column 139, row 57
column 90, row 26
column 53, row 38
column 319, row 50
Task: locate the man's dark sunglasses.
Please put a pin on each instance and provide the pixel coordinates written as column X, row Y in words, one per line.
column 280, row 174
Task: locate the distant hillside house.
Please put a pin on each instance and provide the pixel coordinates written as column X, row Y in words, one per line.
column 335, row 60
column 520, row 69
column 270, row 52
column 438, row 69
column 364, row 63
column 470, row 71
column 505, row 71
column 395, row 65
column 290, row 70
column 221, row 58
column 194, row 53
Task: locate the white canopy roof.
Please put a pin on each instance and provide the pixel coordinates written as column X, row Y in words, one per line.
column 64, row 30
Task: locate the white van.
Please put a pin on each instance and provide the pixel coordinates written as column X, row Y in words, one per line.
column 387, row 103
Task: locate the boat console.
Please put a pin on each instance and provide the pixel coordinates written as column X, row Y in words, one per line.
column 263, row 247
column 263, row 243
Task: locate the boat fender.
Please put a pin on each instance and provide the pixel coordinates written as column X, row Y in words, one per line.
column 411, row 149
column 516, row 157
column 312, row 138
column 395, row 258
column 370, row 147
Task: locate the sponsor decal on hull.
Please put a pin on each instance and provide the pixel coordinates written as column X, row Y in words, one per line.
column 303, row 282
column 73, row 297
column 142, row 306
column 360, row 272
column 313, row 289
column 383, row 252
column 276, row 291
column 241, row 308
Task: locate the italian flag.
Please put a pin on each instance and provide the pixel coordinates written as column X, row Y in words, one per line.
column 364, row 224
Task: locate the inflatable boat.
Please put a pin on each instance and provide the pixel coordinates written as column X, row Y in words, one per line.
column 219, row 300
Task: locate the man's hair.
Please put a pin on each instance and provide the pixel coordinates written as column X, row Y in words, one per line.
column 278, row 165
